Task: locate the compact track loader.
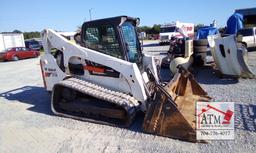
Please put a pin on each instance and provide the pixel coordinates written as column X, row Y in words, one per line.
column 105, row 78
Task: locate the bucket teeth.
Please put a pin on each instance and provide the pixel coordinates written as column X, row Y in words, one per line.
column 172, row 111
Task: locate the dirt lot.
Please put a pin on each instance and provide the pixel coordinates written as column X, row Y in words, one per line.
column 28, row 125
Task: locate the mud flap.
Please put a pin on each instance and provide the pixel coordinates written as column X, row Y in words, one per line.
column 171, row 112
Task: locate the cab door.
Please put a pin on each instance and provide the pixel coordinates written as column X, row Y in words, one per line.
column 26, row 52
column 248, row 36
column 19, row 52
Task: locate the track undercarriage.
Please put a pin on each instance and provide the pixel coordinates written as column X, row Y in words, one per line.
column 80, row 99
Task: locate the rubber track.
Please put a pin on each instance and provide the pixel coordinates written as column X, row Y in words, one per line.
column 129, row 103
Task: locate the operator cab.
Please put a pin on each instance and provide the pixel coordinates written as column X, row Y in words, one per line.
column 115, row 36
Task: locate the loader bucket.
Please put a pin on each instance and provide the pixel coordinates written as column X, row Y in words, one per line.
column 230, row 56
column 171, row 112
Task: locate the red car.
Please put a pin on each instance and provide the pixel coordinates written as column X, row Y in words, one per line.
column 16, row 53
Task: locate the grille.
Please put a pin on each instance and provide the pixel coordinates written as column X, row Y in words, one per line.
column 164, row 38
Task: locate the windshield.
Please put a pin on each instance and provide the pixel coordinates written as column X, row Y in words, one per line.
column 167, row 29
column 103, row 39
column 245, row 32
column 31, row 42
column 130, row 37
column 250, row 19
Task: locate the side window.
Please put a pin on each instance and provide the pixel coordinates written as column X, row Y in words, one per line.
column 255, row 32
column 24, row 49
column 92, row 38
column 246, row 32
column 18, row 49
column 103, row 39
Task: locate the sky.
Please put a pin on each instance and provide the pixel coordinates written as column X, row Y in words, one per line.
column 67, row 15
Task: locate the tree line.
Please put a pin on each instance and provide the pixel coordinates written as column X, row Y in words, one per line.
column 28, row 35
column 153, row 30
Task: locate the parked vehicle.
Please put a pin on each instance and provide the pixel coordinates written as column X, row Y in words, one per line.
column 169, row 30
column 16, row 53
column 249, row 36
column 9, row 40
column 32, row 44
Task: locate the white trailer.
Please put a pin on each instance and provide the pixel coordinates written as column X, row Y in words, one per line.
column 9, row 40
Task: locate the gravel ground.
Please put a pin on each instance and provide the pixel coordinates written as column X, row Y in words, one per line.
column 28, row 125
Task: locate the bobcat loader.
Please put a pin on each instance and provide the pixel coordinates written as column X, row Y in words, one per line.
column 105, row 78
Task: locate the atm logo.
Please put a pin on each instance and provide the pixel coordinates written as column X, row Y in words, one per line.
column 215, row 120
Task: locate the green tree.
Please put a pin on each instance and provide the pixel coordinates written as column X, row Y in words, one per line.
column 144, row 29
column 150, row 30
column 29, row 35
column 156, row 29
column 16, row 31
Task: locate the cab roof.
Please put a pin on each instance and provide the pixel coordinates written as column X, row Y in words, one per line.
column 116, row 21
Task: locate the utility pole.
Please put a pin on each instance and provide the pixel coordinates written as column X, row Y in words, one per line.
column 90, row 12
